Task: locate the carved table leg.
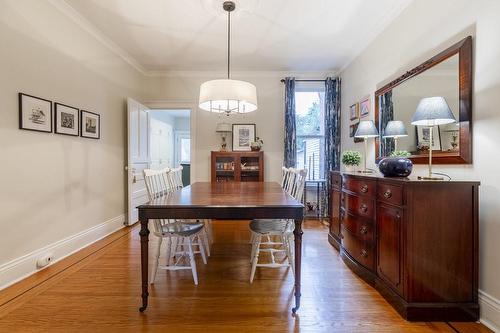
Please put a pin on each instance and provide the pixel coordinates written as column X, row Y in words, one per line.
column 298, row 261
column 144, row 233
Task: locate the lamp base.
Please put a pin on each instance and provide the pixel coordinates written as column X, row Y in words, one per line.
column 429, row 178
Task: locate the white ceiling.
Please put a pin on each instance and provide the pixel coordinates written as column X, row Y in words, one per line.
column 267, row 35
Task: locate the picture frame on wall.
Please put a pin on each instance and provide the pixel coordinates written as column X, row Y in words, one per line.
column 35, row 113
column 364, row 107
column 243, row 136
column 352, row 130
column 66, row 120
column 354, row 111
column 423, row 138
column 90, row 125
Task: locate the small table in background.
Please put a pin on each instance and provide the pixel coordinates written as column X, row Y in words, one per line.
column 320, row 188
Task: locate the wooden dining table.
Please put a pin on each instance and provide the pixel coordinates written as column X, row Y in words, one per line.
column 226, row 200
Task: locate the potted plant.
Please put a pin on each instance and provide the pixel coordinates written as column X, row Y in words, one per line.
column 257, row 144
column 396, row 165
column 351, row 159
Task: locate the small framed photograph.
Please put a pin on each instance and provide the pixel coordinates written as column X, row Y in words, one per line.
column 243, row 136
column 90, row 125
column 35, row 113
column 364, row 107
column 354, row 111
column 352, row 130
column 66, row 120
column 423, row 138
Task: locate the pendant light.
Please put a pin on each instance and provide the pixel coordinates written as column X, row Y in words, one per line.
column 227, row 95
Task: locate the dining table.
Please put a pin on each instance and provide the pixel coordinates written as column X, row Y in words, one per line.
column 223, row 200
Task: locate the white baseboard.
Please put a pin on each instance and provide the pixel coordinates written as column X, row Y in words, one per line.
column 20, row 268
column 490, row 311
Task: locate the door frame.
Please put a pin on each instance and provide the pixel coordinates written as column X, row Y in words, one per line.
column 186, row 105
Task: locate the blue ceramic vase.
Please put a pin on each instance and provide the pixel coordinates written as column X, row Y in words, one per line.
column 395, row 167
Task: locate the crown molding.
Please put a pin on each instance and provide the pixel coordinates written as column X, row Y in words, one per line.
column 90, row 28
column 236, row 74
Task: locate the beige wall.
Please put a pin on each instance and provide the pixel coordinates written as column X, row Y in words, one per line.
column 184, row 88
column 422, row 30
column 54, row 186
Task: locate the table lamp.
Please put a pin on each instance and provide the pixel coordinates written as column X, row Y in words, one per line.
column 223, row 129
column 432, row 111
column 395, row 129
column 366, row 129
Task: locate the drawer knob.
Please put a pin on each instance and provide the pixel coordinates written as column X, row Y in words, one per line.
column 363, row 208
column 364, row 254
column 364, row 230
column 364, row 188
column 388, row 194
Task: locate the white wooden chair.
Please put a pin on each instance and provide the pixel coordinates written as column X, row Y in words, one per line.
column 175, row 179
column 293, row 183
column 181, row 237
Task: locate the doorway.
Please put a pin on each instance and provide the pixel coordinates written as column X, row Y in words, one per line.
column 170, row 140
column 156, row 139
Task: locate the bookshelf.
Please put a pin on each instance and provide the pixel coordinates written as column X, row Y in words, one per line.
column 232, row 166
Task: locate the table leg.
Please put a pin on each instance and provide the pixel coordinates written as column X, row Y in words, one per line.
column 144, row 233
column 298, row 262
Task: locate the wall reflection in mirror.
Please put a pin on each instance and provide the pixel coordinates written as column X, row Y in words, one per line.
column 398, row 105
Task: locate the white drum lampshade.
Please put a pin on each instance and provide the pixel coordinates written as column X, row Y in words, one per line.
column 228, row 96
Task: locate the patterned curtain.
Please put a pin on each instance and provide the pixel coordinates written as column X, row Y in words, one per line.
column 290, row 157
column 386, row 114
column 332, row 134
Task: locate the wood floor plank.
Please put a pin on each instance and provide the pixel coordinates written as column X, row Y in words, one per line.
column 101, row 294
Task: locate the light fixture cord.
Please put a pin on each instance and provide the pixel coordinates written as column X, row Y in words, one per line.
column 228, row 41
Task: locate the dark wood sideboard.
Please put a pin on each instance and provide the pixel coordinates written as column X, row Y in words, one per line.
column 415, row 241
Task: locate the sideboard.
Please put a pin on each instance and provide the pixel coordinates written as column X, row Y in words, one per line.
column 415, row 241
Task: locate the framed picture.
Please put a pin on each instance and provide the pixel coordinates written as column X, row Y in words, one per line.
column 364, row 107
column 423, row 138
column 66, row 120
column 90, row 125
column 243, row 135
column 352, row 130
column 35, row 114
column 354, row 111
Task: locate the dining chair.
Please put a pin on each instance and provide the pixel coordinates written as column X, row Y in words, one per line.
column 293, row 183
column 181, row 237
column 175, row 181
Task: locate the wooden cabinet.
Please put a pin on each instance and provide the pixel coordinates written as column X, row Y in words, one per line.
column 389, row 253
column 415, row 241
column 229, row 166
column 334, row 230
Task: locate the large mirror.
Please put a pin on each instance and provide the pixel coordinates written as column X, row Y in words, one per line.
column 447, row 75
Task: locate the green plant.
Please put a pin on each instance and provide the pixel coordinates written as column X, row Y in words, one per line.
column 400, row 153
column 351, row 157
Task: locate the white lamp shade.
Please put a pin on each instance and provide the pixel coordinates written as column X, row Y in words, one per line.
column 366, row 129
column 231, row 96
column 432, row 111
column 223, row 128
column 395, row 129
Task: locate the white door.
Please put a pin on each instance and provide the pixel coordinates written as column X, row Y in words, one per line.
column 138, row 156
column 161, row 144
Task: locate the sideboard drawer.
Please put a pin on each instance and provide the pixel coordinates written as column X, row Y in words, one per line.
column 363, row 187
column 361, row 227
column 360, row 250
column 389, row 193
column 362, row 206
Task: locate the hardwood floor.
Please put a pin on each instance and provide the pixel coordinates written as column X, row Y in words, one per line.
column 101, row 293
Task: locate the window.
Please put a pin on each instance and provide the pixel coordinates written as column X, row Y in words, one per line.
column 185, row 150
column 310, row 122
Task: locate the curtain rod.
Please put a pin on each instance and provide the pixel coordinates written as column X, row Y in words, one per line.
column 297, row 80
